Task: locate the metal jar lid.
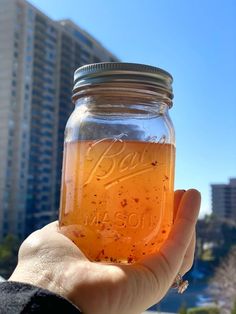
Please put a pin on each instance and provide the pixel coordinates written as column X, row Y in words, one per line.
column 98, row 73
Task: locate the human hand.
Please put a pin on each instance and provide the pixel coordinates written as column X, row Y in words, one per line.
column 50, row 260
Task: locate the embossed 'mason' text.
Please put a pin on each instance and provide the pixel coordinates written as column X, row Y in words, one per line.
column 121, row 220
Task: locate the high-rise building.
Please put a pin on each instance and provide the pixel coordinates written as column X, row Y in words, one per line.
column 224, row 200
column 37, row 59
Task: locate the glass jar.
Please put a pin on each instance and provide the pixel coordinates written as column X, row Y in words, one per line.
column 118, row 167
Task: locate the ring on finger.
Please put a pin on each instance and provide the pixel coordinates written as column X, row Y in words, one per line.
column 180, row 284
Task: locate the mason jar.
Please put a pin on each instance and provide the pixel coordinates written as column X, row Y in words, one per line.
column 118, row 166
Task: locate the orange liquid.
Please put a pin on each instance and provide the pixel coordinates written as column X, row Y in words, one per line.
column 117, row 198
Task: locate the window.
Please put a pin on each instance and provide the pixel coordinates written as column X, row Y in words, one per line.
column 48, row 143
column 82, row 38
column 49, row 108
column 48, row 98
column 5, row 226
column 52, row 29
column 96, row 60
column 28, row 58
column 46, row 133
column 31, row 14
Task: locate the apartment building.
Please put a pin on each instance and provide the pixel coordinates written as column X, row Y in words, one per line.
column 224, row 200
column 37, row 59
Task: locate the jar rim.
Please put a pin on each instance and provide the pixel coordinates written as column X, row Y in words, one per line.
column 104, row 72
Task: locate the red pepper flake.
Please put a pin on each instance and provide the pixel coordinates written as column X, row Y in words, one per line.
column 144, row 253
column 124, row 202
column 99, row 222
column 76, row 233
column 152, row 243
column 154, row 163
column 116, row 237
column 163, row 231
column 136, row 199
column 130, row 259
column 99, row 255
column 100, row 202
column 95, row 194
column 98, row 179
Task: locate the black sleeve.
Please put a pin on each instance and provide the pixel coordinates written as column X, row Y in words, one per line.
column 21, row 298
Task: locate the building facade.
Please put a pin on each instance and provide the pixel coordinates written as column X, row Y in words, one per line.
column 38, row 57
column 224, row 200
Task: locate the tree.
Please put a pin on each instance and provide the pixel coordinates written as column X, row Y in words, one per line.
column 228, row 234
column 203, row 310
column 182, row 309
column 219, row 235
column 234, row 308
column 223, row 284
column 8, row 255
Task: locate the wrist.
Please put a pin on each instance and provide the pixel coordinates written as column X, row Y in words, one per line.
column 19, row 297
column 39, row 278
column 48, row 278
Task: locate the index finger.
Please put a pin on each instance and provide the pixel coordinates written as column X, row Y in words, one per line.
column 166, row 263
column 177, row 199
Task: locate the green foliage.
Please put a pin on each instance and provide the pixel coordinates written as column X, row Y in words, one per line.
column 220, row 234
column 8, row 255
column 228, row 234
column 234, row 308
column 182, row 309
column 203, row 310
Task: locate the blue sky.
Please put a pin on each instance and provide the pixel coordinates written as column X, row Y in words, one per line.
column 196, row 42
